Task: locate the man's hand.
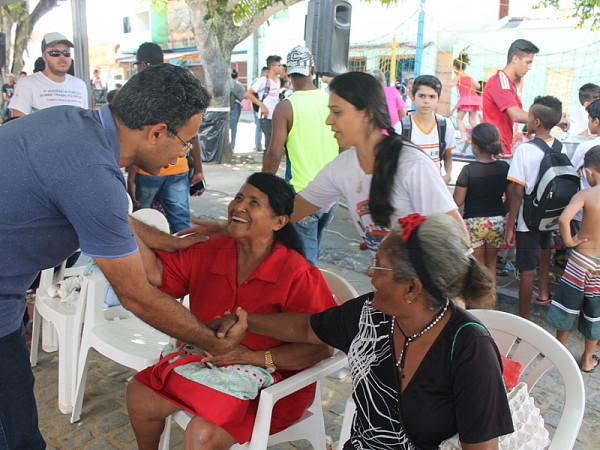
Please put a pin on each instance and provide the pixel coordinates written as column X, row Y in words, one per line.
column 232, row 336
column 446, row 178
column 221, row 325
column 206, row 228
column 264, row 111
column 196, row 179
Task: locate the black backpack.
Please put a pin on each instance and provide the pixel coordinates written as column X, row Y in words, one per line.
column 440, row 123
column 255, row 107
column 556, row 184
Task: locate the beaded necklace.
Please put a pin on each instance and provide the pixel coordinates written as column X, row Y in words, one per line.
column 409, row 339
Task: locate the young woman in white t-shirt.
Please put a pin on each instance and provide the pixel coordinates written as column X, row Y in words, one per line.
column 382, row 176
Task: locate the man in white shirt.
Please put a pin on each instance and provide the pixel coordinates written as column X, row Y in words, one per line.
column 264, row 93
column 52, row 86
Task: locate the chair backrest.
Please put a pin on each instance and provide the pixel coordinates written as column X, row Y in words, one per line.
column 341, row 289
column 152, row 217
column 538, row 351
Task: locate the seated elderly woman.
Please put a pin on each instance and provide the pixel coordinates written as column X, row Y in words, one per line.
column 422, row 368
column 259, row 266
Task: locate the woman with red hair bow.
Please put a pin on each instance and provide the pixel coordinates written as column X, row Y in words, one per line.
column 422, row 368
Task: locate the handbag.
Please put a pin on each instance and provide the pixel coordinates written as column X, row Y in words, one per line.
column 527, row 421
column 218, row 394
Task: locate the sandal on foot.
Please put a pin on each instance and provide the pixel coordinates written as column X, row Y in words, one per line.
column 595, row 358
column 540, row 302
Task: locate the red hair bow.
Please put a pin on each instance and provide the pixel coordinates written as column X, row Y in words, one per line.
column 409, row 223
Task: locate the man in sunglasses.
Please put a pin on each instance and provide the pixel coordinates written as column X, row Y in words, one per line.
column 52, row 86
column 62, row 189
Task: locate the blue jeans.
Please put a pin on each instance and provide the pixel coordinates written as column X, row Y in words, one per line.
column 266, row 126
column 18, row 411
column 257, row 133
column 311, row 230
column 234, row 117
column 172, row 191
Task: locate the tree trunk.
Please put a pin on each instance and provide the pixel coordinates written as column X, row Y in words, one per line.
column 216, row 35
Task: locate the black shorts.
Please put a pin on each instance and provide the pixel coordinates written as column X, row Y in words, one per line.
column 528, row 245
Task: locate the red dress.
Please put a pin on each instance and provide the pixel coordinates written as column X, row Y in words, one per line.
column 468, row 98
column 283, row 282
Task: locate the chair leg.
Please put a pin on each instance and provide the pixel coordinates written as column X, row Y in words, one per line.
column 82, row 369
column 347, row 422
column 35, row 337
column 49, row 337
column 165, row 437
column 66, row 369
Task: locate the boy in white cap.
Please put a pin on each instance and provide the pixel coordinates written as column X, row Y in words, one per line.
column 53, row 86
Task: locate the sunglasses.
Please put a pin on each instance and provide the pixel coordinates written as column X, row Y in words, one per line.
column 57, row 53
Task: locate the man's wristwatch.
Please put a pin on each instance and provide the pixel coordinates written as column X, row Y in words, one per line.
column 269, row 362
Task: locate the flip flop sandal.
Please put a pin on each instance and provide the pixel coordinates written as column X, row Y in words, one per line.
column 543, row 302
column 595, row 358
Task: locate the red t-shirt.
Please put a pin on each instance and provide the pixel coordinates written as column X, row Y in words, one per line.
column 500, row 93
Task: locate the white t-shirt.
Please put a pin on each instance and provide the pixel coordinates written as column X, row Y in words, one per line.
column 524, row 170
column 577, row 161
column 272, row 97
column 429, row 140
column 37, row 92
column 418, row 188
column 578, row 117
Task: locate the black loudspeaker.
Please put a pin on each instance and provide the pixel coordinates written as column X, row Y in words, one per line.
column 327, row 35
column 2, row 49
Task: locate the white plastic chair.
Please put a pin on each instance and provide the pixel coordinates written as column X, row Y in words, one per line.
column 61, row 329
column 311, row 425
column 152, row 217
column 341, row 289
column 537, row 351
column 127, row 341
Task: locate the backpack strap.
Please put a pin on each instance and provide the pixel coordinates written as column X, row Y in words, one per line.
column 440, row 122
column 406, row 126
column 267, row 88
column 543, row 145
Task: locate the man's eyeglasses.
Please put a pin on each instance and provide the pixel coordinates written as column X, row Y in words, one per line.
column 187, row 146
column 374, row 266
column 57, row 53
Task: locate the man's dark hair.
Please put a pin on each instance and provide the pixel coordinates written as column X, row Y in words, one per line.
column 548, row 110
column 589, row 92
column 150, row 53
column 427, row 80
column 39, row 65
column 160, row 94
column 272, row 60
column 521, row 48
column 592, row 158
column 593, row 109
column 234, row 74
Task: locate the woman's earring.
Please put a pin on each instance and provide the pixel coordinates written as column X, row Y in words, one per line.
column 408, row 301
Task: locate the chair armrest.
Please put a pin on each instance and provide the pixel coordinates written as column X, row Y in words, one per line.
column 306, row 377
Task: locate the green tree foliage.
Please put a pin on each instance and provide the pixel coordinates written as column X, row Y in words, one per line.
column 587, row 11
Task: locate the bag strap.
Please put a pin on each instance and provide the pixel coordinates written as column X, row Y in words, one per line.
column 406, row 126
column 543, row 145
column 458, row 331
column 267, row 88
column 440, row 122
column 160, row 371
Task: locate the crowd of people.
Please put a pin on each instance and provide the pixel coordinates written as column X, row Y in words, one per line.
column 423, row 368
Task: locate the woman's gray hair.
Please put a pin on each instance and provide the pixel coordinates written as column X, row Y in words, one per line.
column 448, row 261
column 378, row 75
